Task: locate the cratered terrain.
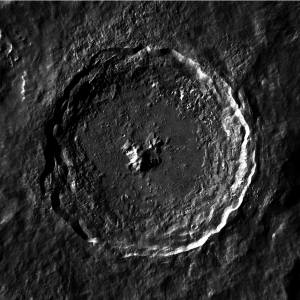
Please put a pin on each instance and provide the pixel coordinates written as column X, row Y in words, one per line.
column 149, row 150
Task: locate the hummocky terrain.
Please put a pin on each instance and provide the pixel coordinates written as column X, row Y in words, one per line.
column 149, row 150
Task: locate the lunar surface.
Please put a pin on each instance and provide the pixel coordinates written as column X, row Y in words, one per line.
column 149, row 150
column 175, row 148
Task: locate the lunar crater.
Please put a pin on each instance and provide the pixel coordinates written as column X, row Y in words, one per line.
column 171, row 141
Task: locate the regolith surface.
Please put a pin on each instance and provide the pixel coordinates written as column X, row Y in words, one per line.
column 149, row 150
